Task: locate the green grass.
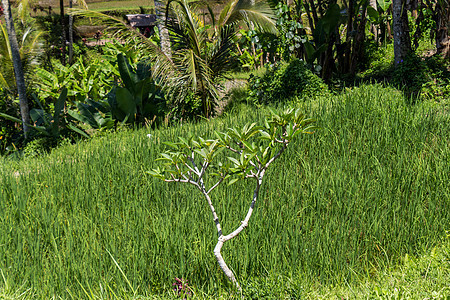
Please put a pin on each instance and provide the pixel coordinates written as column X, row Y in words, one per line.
column 339, row 211
column 113, row 5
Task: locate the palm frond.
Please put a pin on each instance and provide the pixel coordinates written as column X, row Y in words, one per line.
column 260, row 14
column 226, row 12
column 5, row 49
column 3, row 82
column 162, row 66
column 222, row 58
column 23, row 10
column 188, row 24
column 83, row 3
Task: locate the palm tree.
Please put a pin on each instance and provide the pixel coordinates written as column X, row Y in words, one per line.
column 30, row 49
column 200, row 54
column 17, row 65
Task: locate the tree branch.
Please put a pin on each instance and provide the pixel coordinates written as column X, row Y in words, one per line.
column 217, row 183
column 271, row 160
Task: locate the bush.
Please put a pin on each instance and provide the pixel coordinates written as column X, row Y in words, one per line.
column 409, row 75
column 437, row 87
column 39, row 146
column 426, row 78
column 9, row 131
column 285, row 82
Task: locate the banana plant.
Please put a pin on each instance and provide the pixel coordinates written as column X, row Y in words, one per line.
column 46, row 124
column 139, row 98
column 321, row 34
column 81, row 80
column 237, row 154
column 98, row 115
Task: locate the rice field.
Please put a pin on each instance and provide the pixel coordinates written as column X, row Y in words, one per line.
column 342, row 205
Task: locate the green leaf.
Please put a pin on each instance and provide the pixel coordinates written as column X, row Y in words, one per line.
column 221, row 136
column 125, row 102
column 250, row 157
column 265, row 135
column 309, row 48
column 59, row 106
column 233, row 132
column 266, row 151
column 39, row 117
column 77, row 130
column 156, row 173
column 235, row 161
column 384, row 4
column 218, row 151
column 248, row 146
column 201, row 152
column 167, row 157
column 212, row 147
column 173, row 145
column 233, row 181
column 11, row 118
column 184, row 142
column 125, row 73
column 289, row 130
column 373, row 14
column 85, row 115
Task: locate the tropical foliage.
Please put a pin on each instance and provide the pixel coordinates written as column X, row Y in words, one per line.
column 30, row 43
column 201, row 53
column 285, row 82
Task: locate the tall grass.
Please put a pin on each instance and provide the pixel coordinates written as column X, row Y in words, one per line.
column 344, row 203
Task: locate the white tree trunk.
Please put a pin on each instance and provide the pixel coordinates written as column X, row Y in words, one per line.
column 222, row 239
column 18, row 69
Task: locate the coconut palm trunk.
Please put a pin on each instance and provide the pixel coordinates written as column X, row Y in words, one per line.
column 402, row 41
column 17, row 64
column 162, row 29
column 70, row 34
column 63, row 32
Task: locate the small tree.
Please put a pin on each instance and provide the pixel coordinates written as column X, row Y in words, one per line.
column 254, row 149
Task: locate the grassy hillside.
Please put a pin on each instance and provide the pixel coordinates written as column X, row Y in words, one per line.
column 339, row 208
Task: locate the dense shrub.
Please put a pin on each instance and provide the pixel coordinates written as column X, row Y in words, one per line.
column 409, row 75
column 437, row 87
column 426, row 78
column 39, row 146
column 285, row 82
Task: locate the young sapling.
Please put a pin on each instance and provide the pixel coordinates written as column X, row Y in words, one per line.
column 253, row 149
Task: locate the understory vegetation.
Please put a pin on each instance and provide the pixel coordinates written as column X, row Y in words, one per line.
column 346, row 212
